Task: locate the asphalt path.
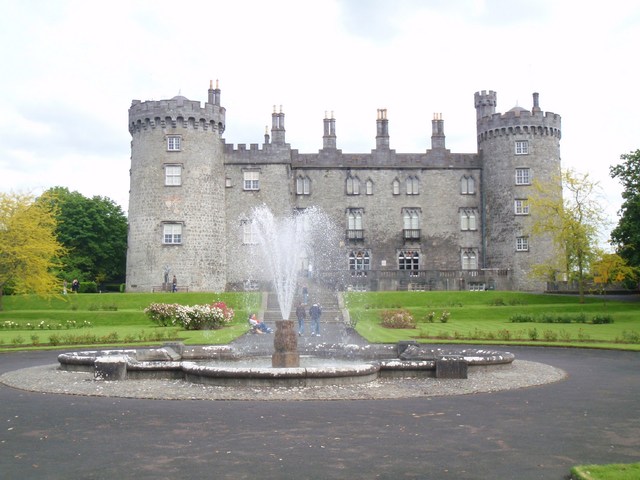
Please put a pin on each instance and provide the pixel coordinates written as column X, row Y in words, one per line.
column 535, row 433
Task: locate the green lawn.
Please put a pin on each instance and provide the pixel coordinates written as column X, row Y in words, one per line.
column 484, row 317
column 114, row 319
column 629, row 471
column 475, row 317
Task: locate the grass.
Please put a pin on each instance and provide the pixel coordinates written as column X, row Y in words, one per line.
column 114, row 319
column 629, row 471
column 475, row 318
column 484, row 318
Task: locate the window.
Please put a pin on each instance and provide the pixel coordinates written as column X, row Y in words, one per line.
column 252, row 180
column 522, row 207
column 369, row 187
column 353, row 185
column 408, row 260
column 249, row 236
column 522, row 244
column 354, row 224
column 173, row 144
column 523, row 176
column 412, row 185
column 395, row 186
column 469, row 260
column 467, row 185
column 303, row 185
column 468, row 219
column 359, row 260
column 411, row 223
column 173, row 175
column 227, row 182
column 522, row 147
column 172, row 233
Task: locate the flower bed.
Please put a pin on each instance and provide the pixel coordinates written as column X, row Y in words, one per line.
column 196, row 317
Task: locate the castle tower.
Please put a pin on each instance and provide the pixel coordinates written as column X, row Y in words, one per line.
column 515, row 149
column 177, row 194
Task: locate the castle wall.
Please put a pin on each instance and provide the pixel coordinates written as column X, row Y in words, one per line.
column 212, row 204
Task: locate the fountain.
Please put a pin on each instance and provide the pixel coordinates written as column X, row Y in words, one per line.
column 283, row 243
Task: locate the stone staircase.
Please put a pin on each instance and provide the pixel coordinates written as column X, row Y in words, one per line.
column 327, row 299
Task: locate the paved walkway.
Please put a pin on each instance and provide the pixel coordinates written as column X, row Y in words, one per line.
column 533, row 433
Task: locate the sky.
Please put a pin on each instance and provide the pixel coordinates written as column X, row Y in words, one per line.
column 70, row 70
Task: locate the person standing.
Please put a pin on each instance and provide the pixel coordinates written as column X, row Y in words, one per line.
column 305, row 294
column 174, row 284
column 75, row 286
column 314, row 312
column 301, row 314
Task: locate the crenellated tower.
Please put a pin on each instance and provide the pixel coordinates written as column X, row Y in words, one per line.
column 516, row 148
column 177, row 194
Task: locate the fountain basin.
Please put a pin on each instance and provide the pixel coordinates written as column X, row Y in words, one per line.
column 222, row 365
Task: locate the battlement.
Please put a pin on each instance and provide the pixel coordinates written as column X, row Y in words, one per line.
column 519, row 121
column 485, row 98
column 173, row 112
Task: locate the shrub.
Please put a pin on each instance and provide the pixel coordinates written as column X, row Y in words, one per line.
column 430, row 316
column 197, row 317
column 521, row 318
column 88, row 287
column 397, row 319
column 630, row 337
column 504, row 334
column 601, row 319
column 550, row 335
column 444, row 317
column 533, row 334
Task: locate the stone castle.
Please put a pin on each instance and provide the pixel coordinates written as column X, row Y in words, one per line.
column 431, row 220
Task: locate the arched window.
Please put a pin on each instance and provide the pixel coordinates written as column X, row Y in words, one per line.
column 353, row 185
column 369, row 187
column 408, row 260
column 303, row 185
column 468, row 219
column 469, row 260
column 359, row 260
column 412, row 184
column 467, row 185
column 395, row 186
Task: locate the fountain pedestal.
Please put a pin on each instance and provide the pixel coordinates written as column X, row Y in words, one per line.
column 285, row 344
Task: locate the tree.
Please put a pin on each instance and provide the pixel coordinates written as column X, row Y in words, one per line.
column 29, row 249
column 94, row 231
column 626, row 235
column 574, row 222
column 610, row 268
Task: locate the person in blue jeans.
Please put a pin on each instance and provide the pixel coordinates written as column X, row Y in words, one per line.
column 314, row 312
column 258, row 326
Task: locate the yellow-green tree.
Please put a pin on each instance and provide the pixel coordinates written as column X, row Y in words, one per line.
column 610, row 268
column 29, row 250
column 573, row 221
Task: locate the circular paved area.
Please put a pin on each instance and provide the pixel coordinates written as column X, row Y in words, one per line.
column 592, row 416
